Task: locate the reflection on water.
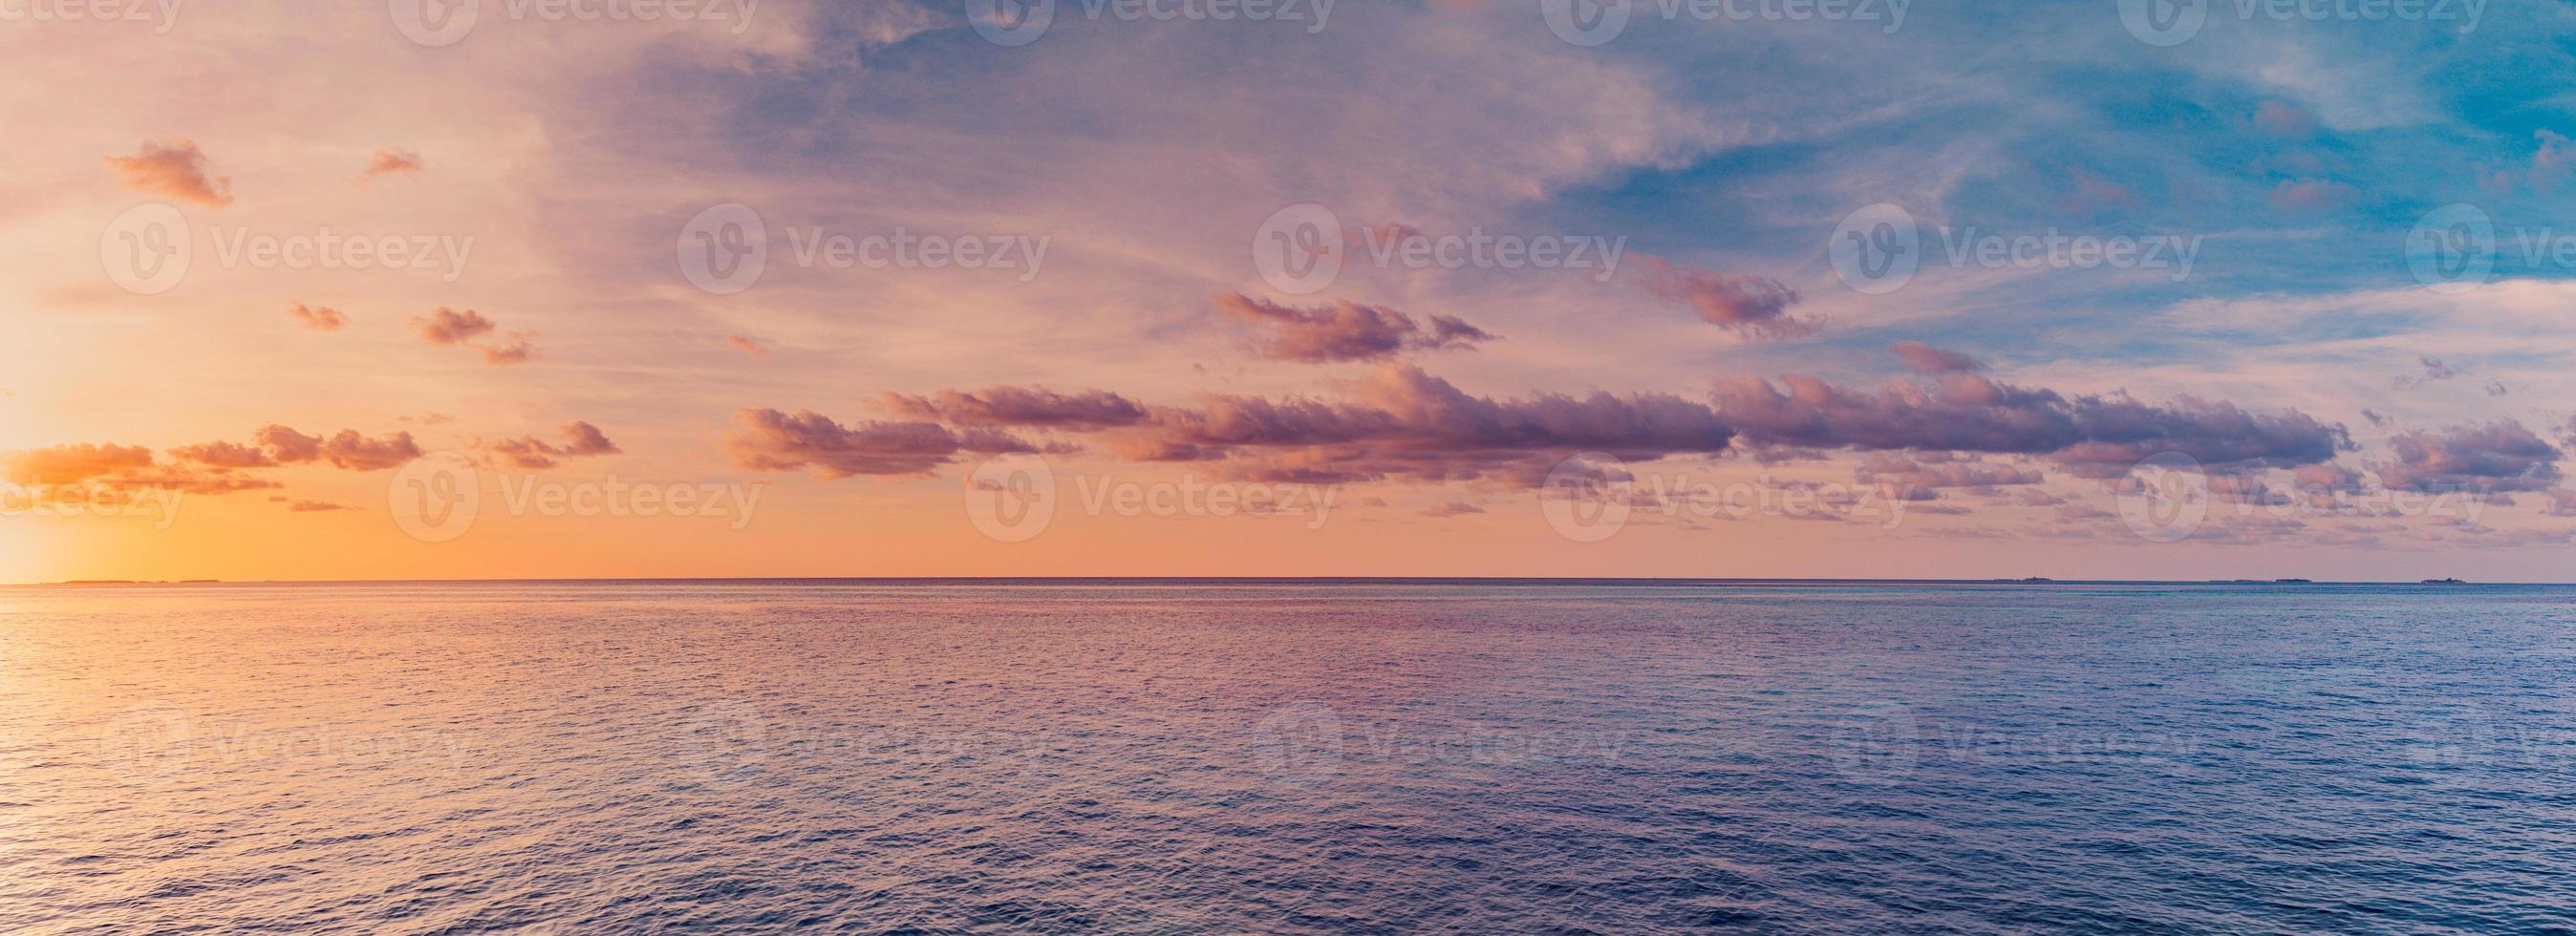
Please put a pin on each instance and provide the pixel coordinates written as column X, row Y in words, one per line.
column 1183, row 757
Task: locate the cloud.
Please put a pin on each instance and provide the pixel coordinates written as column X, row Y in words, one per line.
column 1926, row 359
column 516, row 350
column 88, row 470
column 449, row 327
column 282, row 445
column 176, row 169
column 747, row 346
column 312, row 506
column 287, row 446
column 354, row 452
column 581, row 440
column 1403, row 423
column 225, row 455
column 1451, row 509
column 190, row 480
column 1754, row 305
column 2496, row 456
column 2434, row 370
column 2284, row 120
column 768, row 440
column 2310, row 195
column 318, row 318
column 2091, row 436
column 1922, row 476
column 1036, row 408
column 391, row 161
column 1343, row 330
column 72, row 464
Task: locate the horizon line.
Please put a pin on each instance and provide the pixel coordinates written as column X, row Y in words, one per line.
column 1260, row 579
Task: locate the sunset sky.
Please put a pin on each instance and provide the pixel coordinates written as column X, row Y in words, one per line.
column 893, row 288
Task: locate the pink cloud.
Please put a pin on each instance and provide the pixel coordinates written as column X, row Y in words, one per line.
column 2284, row 120
column 1926, row 359
column 176, row 169
column 318, row 318
column 581, row 440
column 1343, row 330
column 1754, row 305
column 768, row 440
column 391, row 161
column 1030, row 407
column 2311, row 195
column 2497, row 456
column 447, row 326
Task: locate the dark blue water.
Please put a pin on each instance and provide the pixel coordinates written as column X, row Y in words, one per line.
column 1235, row 757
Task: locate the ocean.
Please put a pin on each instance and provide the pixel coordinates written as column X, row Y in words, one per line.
column 1183, row 757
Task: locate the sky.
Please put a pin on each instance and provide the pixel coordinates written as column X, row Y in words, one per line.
column 429, row 289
